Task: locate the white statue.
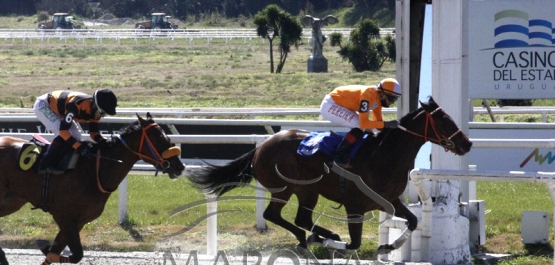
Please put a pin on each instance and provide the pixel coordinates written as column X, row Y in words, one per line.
column 317, row 37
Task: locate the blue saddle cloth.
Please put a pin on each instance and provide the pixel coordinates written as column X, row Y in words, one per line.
column 325, row 142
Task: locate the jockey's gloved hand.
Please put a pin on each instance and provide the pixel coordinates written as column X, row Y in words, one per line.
column 391, row 124
column 84, row 151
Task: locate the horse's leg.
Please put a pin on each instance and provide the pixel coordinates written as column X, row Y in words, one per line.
column 355, row 230
column 68, row 236
column 400, row 211
column 3, row 260
column 8, row 204
column 307, row 202
column 273, row 214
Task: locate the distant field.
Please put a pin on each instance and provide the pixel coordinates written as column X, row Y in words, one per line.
column 172, row 75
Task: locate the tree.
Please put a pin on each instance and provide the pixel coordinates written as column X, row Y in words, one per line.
column 366, row 51
column 274, row 22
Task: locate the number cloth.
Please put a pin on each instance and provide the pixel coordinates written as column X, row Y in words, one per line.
column 353, row 106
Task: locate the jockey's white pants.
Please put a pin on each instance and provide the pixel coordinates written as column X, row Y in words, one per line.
column 337, row 114
column 51, row 120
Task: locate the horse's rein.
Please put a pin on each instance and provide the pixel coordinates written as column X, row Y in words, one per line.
column 445, row 142
column 97, row 172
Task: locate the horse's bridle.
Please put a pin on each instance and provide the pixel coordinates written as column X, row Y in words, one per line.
column 440, row 139
column 157, row 158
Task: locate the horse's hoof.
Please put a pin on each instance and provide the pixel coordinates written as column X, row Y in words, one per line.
column 314, row 239
column 301, row 250
column 335, row 237
column 41, row 243
column 384, row 249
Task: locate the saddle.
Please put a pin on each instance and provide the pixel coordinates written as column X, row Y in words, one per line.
column 325, row 142
column 31, row 154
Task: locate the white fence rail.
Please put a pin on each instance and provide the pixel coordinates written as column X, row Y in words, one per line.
column 116, row 35
column 253, row 113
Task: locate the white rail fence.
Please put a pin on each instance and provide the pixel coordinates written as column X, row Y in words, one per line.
column 116, row 35
column 253, row 113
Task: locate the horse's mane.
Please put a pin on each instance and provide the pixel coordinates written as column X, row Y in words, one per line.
column 135, row 126
column 130, row 128
column 405, row 120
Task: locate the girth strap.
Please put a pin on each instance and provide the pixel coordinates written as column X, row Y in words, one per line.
column 44, row 200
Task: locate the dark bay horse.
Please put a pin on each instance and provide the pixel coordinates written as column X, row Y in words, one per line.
column 79, row 195
column 381, row 165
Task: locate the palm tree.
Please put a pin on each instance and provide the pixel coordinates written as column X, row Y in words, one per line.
column 274, row 22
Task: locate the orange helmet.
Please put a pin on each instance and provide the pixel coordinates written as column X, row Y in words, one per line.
column 390, row 87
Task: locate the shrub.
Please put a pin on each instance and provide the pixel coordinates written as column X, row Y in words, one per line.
column 367, row 50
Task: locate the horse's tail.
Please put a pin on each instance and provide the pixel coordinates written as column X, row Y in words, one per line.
column 218, row 180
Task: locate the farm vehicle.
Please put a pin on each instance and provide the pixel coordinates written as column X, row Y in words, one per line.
column 59, row 21
column 157, row 21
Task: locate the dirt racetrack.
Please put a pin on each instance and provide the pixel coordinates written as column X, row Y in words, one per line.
column 34, row 257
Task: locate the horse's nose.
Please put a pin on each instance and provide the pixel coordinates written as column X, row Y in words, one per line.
column 466, row 146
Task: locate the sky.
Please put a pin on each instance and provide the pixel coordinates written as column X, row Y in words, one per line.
column 423, row 157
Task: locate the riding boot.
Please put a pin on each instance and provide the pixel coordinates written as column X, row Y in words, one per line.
column 50, row 159
column 343, row 150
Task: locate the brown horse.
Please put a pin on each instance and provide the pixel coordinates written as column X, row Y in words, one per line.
column 79, row 195
column 378, row 177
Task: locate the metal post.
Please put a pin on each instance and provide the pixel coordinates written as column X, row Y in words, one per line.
column 122, row 202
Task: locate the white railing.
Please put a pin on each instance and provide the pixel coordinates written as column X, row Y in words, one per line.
column 253, row 113
column 116, row 35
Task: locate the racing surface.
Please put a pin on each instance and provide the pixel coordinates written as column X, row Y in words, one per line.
column 35, row 257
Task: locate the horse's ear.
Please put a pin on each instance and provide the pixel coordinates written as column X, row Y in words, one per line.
column 141, row 120
column 433, row 103
column 426, row 106
column 148, row 116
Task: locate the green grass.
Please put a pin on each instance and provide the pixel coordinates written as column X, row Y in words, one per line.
column 505, row 202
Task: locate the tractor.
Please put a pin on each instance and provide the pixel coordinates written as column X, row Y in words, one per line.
column 157, row 21
column 59, row 21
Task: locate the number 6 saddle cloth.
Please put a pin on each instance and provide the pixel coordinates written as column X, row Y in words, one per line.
column 31, row 153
